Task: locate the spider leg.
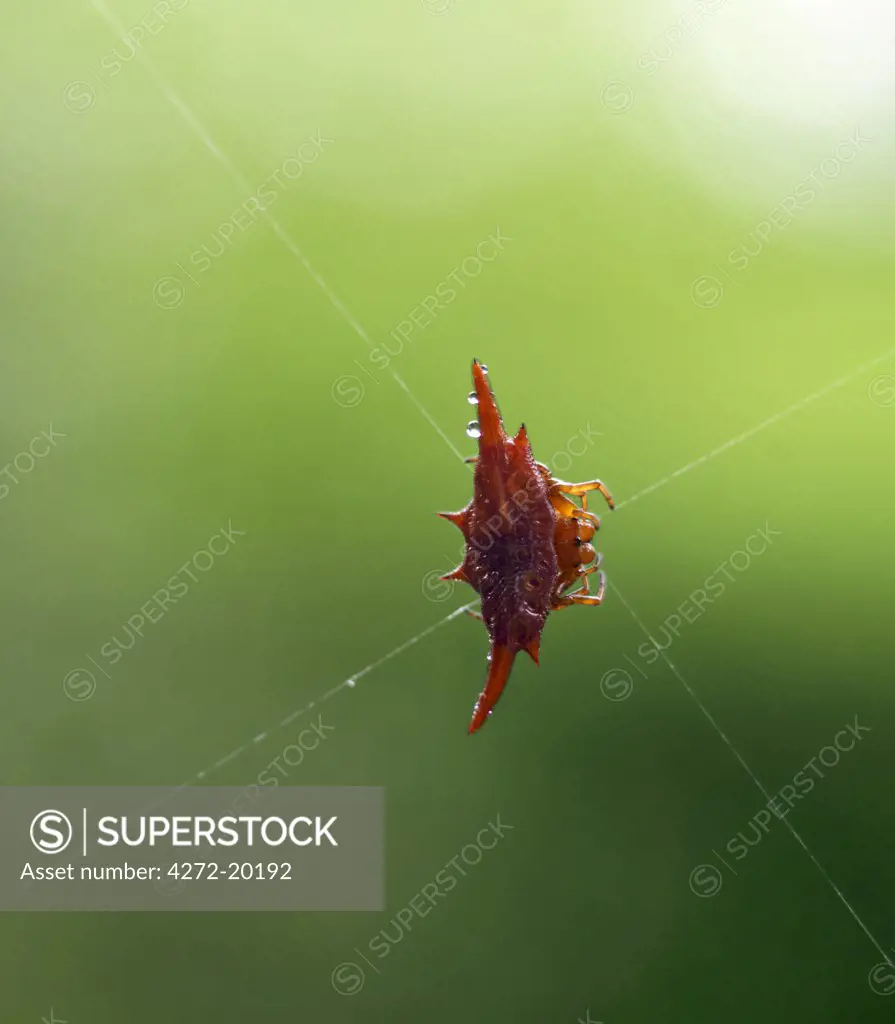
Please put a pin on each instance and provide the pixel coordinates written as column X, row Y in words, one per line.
column 565, row 507
column 589, row 599
column 580, row 490
column 583, row 596
column 598, row 561
column 582, row 513
column 474, row 615
column 472, row 458
column 589, row 571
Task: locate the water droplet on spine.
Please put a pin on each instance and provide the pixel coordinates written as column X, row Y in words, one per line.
column 473, row 429
column 472, row 398
column 483, row 368
column 349, row 682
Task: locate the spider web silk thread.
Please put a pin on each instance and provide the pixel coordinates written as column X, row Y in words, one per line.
column 758, row 428
column 187, row 114
column 753, row 777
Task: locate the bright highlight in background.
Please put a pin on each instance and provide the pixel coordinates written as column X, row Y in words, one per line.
column 803, row 61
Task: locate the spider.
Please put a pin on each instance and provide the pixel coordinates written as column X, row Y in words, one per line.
column 527, row 543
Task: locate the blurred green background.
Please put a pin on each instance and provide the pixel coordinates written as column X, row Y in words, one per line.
column 630, row 157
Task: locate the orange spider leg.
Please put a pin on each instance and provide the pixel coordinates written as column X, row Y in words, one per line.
column 581, row 490
column 559, row 490
column 568, row 509
column 583, row 596
column 589, row 516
